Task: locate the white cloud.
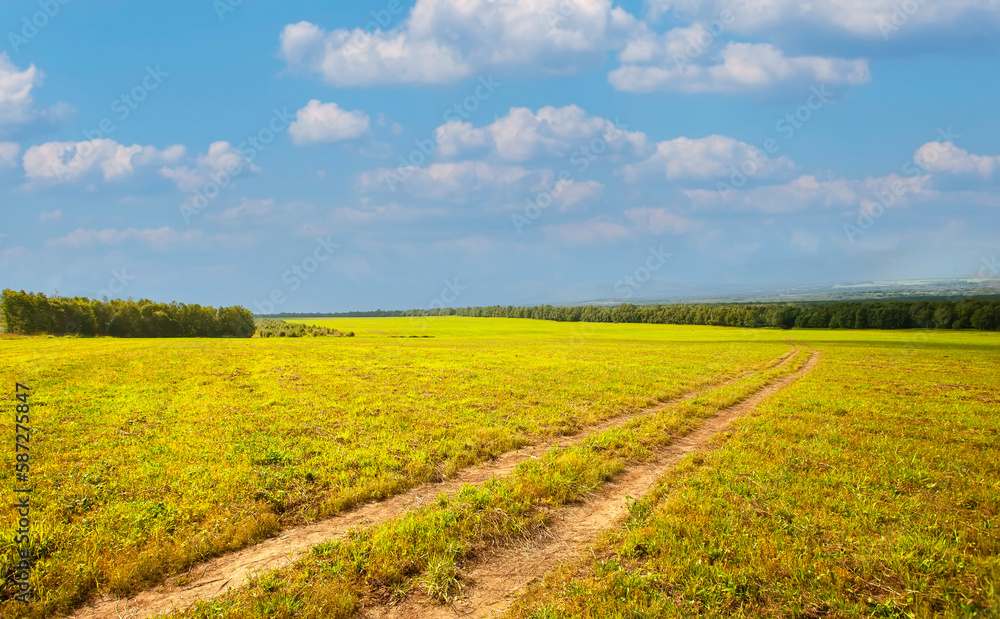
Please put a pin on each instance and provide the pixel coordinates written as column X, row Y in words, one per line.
column 586, row 233
column 327, row 122
column 807, row 191
column 876, row 193
column 447, row 40
column 658, row 220
column 444, row 41
column 221, row 161
column 869, row 19
column 521, row 135
column 455, row 180
column 714, row 156
column 567, row 194
column 800, row 193
column 157, row 238
column 55, row 215
column 68, row 162
column 8, row 154
column 16, row 103
column 948, row 158
column 738, row 67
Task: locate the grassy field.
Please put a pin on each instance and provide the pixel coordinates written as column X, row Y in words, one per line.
column 868, row 489
column 425, row 550
column 151, row 455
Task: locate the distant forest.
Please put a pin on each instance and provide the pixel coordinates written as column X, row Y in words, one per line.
column 983, row 314
column 26, row 313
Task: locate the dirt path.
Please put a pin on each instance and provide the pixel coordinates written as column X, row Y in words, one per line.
column 496, row 581
column 216, row 576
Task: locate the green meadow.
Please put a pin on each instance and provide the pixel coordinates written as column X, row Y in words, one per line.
column 866, row 488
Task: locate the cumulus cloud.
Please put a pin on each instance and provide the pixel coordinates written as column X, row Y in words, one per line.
column 867, row 19
column 222, row 160
column 8, row 154
column 16, row 102
column 738, row 67
column 327, row 122
column 947, row 158
column 521, row 135
column 714, row 156
column 446, row 40
column 69, row 162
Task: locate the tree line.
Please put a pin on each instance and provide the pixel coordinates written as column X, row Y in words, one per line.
column 983, row 314
column 27, row 313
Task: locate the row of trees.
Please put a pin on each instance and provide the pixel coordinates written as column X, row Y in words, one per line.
column 981, row 314
column 269, row 327
column 32, row 313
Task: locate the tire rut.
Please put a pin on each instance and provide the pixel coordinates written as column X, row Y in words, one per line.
column 496, row 580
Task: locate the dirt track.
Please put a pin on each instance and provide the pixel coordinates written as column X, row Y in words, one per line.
column 497, row 580
column 216, row 576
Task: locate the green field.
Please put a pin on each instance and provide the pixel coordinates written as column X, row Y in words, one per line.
column 150, row 455
column 867, row 487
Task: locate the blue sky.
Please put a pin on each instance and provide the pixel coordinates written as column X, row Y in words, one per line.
column 317, row 156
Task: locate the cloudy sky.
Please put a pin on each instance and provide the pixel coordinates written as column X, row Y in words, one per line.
column 327, row 156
